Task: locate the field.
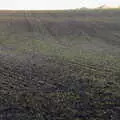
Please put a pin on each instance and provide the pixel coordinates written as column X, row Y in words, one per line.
column 60, row 65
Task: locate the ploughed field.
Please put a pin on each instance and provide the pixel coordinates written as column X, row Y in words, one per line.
column 60, row 65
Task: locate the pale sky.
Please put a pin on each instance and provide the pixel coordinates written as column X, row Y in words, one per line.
column 54, row 4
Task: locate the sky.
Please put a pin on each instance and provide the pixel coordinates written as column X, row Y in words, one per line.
column 54, row 4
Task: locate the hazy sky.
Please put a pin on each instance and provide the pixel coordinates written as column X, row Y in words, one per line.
column 54, row 4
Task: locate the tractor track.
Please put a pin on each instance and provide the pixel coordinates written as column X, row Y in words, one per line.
column 93, row 68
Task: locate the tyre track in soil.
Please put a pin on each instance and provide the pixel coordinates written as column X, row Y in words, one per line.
column 102, row 72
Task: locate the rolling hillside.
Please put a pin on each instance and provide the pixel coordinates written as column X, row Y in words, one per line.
column 60, row 65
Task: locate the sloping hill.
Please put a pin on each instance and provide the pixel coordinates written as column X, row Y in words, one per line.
column 60, row 65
